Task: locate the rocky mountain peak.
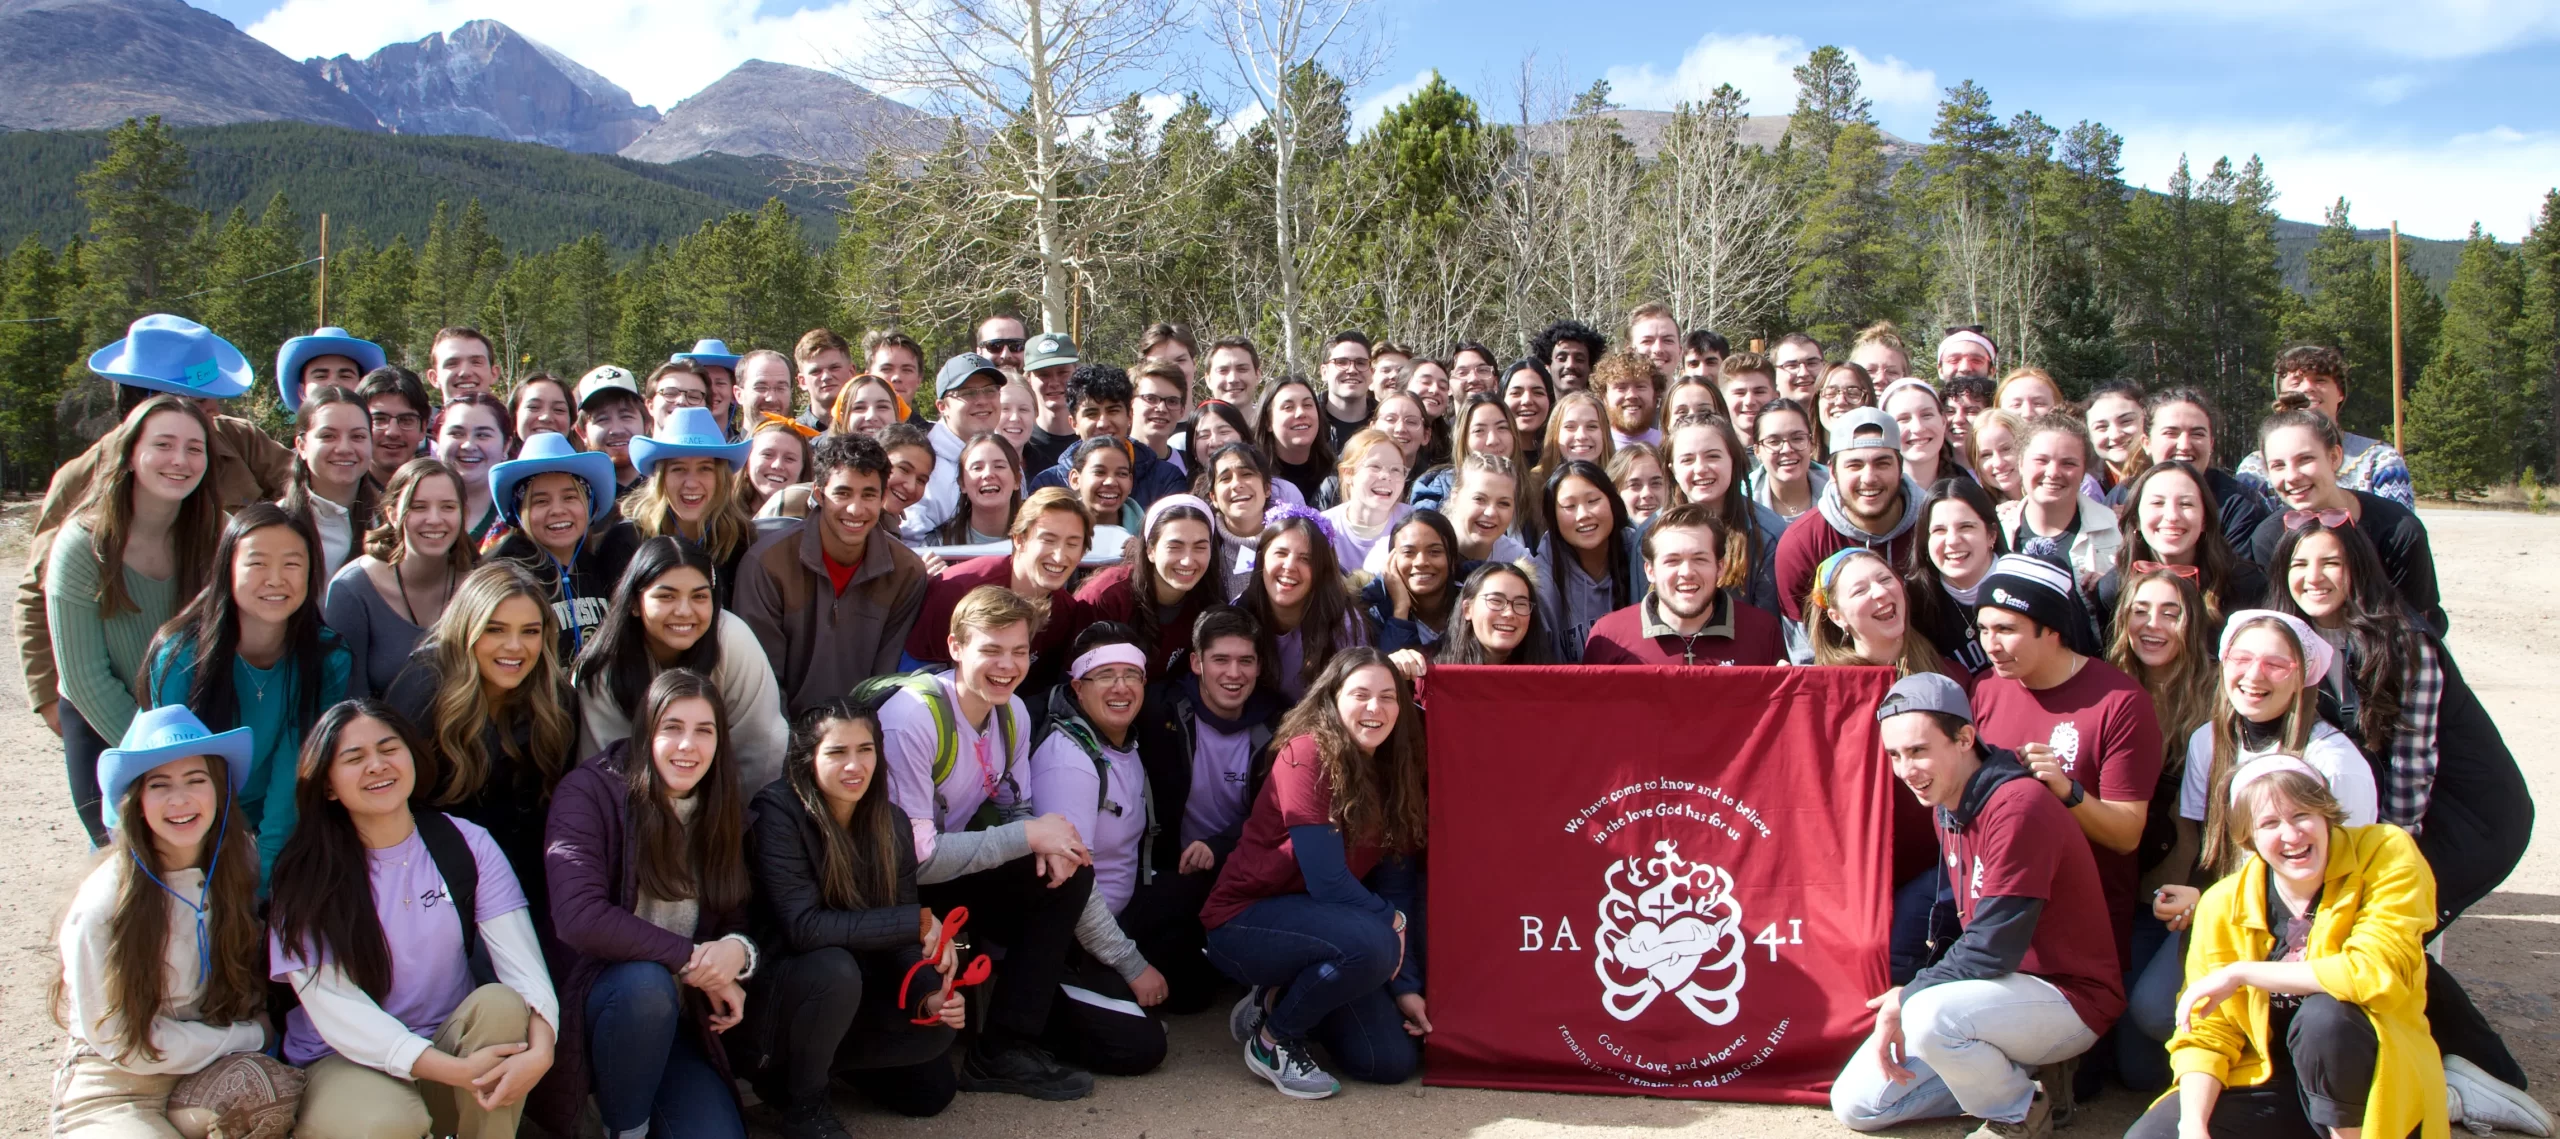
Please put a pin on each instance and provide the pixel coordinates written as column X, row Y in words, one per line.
column 487, row 79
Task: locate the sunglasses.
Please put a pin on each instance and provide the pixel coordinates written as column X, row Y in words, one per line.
column 1010, row 344
column 2275, row 668
column 975, row 972
column 2333, row 519
column 2190, row 573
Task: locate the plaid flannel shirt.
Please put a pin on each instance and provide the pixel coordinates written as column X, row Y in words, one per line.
column 2411, row 782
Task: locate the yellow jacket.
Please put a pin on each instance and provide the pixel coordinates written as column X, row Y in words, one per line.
column 2376, row 906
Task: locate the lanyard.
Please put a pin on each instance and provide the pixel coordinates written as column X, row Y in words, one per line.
column 204, row 893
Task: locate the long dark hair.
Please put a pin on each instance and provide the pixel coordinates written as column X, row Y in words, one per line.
column 235, row 984
column 210, row 627
column 297, row 497
column 1222, row 410
column 1143, row 581
column 1613, row 545
column 616, row 665
column 1441, row 607
column 1267, row 440
column 706, row 860
column 2213, row 551
column 1378, row 798
column 956, row 531
column 1460, row 646
column 107, row 512
column 2381, row 635
column 322, row 903
column 1328, row 607
column 858, row 862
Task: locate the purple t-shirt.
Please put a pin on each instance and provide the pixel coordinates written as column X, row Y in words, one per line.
column 429, row 976
column 978, row 773
column 1064, row 782
column 1220, row 764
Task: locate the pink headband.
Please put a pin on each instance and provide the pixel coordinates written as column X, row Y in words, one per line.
column 2267, row 765
column 1976, row 339
column 1117, row 652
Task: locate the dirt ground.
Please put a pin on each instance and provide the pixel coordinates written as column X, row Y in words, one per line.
column 2506, row 632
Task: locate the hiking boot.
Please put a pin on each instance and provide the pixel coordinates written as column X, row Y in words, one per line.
column 1289, row 1068
column 2487, row 1101
column 1022, row 1069
column 2061, row 1081
column 2037, row 1125
column 1245, row 1019
column 814, row 1119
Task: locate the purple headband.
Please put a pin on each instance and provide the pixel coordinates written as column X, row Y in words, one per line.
column 1287, row 510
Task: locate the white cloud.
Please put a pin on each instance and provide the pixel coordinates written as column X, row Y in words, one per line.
column 1376, row 106
column 2415, row 29
column 659, row 50
column 1763, row 68
column 2434, row 187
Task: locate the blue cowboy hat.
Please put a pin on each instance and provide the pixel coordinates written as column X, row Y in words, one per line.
column 713, row 352
column 689, row 432
column 302, row 350
column 548, row 452
column 173, row 354
column 162, row 734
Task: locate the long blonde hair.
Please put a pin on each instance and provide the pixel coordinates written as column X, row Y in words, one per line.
column 462, row 705
column 1833, row 644
column 2224, row 848
column 726, row 526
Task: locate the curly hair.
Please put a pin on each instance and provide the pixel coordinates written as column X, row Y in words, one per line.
column 1543, row 345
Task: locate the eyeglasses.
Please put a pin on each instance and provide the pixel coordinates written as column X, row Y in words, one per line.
column 2297, row 519
column 683, row 397
column 408, row 422
column 979, row 394
column 1004, row 344
column 1159, row 400
column 1501, row 605
column 2277, row 668
column 1804, row 365
column 1796, row 440
column 1348, row 361
column 2190, row 573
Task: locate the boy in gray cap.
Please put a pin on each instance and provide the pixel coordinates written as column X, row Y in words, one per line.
column 1993, row 1028
column 1869, row 503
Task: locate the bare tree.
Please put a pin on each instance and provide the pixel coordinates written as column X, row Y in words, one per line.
column 1277, row 46
column 1723, row 225
column 1027, row 80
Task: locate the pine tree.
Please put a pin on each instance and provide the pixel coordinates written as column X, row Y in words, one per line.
column 645, row 333
column 590, row 306
column 256, row 299
column 39, row 348
column 2541, row 331
column 1829, row 100
column 2465, row 416
column 140, row 233
column 373, row 292
column 457, row 267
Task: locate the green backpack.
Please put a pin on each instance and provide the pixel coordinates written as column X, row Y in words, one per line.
column 876, row 691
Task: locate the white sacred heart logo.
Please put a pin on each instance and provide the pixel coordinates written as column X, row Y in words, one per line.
column 1669, row 925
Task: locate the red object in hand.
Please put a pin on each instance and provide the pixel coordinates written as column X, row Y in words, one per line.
column 975, row 972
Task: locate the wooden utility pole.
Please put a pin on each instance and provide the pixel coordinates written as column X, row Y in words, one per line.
column 320, row 318
column 2396, row 443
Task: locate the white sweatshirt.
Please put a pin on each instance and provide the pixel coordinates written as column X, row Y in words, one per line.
column 187, row 1044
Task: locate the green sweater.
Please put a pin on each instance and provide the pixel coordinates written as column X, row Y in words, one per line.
column 99, row 658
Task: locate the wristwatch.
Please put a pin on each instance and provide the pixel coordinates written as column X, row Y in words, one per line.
column 2075, row 797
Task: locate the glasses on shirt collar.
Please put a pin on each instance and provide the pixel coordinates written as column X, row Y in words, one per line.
column 2333, row 519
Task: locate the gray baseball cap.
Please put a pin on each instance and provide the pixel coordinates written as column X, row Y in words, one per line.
column 1925, row 692
column 1864, row 427
column 1048, row 350
column 959, row 370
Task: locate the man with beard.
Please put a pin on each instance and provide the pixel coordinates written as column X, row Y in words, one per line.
column 1001, row 338
column 764, row 387
column 1630, row 386
column 1869, row 503
column 1686, row 619
column 1569, row 348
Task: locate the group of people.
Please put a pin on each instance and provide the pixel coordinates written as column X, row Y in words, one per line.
column 622, row 744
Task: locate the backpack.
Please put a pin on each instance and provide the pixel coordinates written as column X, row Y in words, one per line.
column 461, row 873
column 1068, row 721
column 875, row 691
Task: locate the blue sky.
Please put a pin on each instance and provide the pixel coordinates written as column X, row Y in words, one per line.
column 2437, row 112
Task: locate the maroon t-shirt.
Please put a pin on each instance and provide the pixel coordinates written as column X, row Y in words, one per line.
column 1265, row 863
column 1618, row 638
column 929, row 642
column 2101, row 723
column 2020, row 846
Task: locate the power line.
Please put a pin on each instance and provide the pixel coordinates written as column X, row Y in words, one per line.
column 189, row 296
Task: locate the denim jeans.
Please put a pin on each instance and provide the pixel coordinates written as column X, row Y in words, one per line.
column 1924, row 912
column 2151, row 1004
column 643, row 1062
column 82, row 747
column 1330, row 965
column 1971, row 1046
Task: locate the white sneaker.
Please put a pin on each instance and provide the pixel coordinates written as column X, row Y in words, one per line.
column 2487, row 1100
column 1244, row 1020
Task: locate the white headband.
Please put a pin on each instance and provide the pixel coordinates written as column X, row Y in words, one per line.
column 2267, row 765
column 2317, row 653
column 1117, row 652
column 1974, row 338
column 1891, row 389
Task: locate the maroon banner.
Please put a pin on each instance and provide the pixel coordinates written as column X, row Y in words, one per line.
column 1656, row 881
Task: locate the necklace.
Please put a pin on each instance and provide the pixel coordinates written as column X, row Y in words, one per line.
column 397, row 576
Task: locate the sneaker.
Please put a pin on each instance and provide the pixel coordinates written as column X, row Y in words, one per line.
column 1245, row 1019
column 2061, row 1079
column 2037, row 1125
column 815, row 1119
column 1289, row 1068
column 2489, row 1101
column 1024, row 1070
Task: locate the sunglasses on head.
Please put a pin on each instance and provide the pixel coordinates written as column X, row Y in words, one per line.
column 2333, row 519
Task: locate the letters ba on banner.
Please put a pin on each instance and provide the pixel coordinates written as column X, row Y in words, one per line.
column 1655, row 881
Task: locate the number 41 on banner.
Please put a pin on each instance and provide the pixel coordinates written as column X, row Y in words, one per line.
column 1770, row 937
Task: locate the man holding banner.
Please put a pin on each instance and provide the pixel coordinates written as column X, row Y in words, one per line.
column 1991, row 1029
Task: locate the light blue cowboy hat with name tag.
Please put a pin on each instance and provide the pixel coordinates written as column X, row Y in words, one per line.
column 549, row 452
column 302, row 350
column 172, row 354
column 163, row 734
column 690, row 432
column 713, row 352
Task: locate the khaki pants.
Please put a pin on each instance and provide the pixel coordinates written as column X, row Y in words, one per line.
column 346, row 1100
column 94, row 1099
